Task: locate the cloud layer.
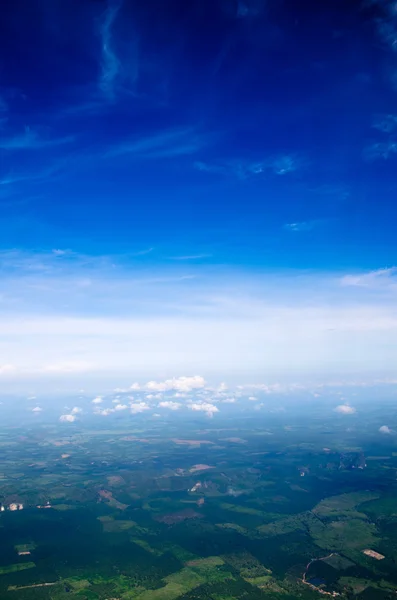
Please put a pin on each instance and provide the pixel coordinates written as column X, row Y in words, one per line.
column 206, row 322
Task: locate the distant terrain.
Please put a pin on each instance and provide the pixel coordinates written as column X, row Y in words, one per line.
column 256, row 507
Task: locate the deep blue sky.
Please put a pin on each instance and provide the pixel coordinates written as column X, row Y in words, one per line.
column 204, row 126
column 169, row 165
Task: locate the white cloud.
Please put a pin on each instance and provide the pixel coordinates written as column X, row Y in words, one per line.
column 385, row 429
column 138, row 407
column 300, row 226
column 135, row 386
column 213, row 325
column 104, row 412
column 120, row 407
column 228, row 400
column 206, row 407
column 7, row 369
column 181, row 384
column 97, row 400
column 252, row 398
column 345, row 409
column 380, row 277
column 31, row 398
column 37, row 409
column 170, row 404
column 76, row 410
column 67, row 418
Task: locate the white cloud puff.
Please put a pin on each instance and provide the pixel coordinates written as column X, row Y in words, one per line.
column 206, row 407
column 135, row 386
column 97, row 400
column 67, row 418
column 104, row 412
column 385, row 429
column 170, row 404
column 119, row 407
column 138, row 407
column 345, row 409
column 37, row 409
column 180, row 384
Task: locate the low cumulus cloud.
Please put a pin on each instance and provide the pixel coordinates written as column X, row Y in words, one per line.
column 104, row 412
column 206, row 407
column 37, row 409
column 67, row 418
column 345, row 409
column 170, row 404
column 138, row 407
column 97, row 400
column 180, row 384
column 385, row 429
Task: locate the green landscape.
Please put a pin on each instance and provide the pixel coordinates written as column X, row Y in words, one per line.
column 232, row 511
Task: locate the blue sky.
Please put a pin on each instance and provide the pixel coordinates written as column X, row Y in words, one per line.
column 197, row 187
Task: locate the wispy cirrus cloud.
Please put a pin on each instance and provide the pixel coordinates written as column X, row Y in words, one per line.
column 245, row 169
column 379, row 278
column 385, row 123
column 110, row 63
column 31, row 140
column 386, row 21
column 301, row 226
column 381, row 150
column 241, row 169
column 191, row 257
column 283, row 165
column 166, row 144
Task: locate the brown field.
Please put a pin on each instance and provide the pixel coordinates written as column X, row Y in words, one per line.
column 200, row 467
